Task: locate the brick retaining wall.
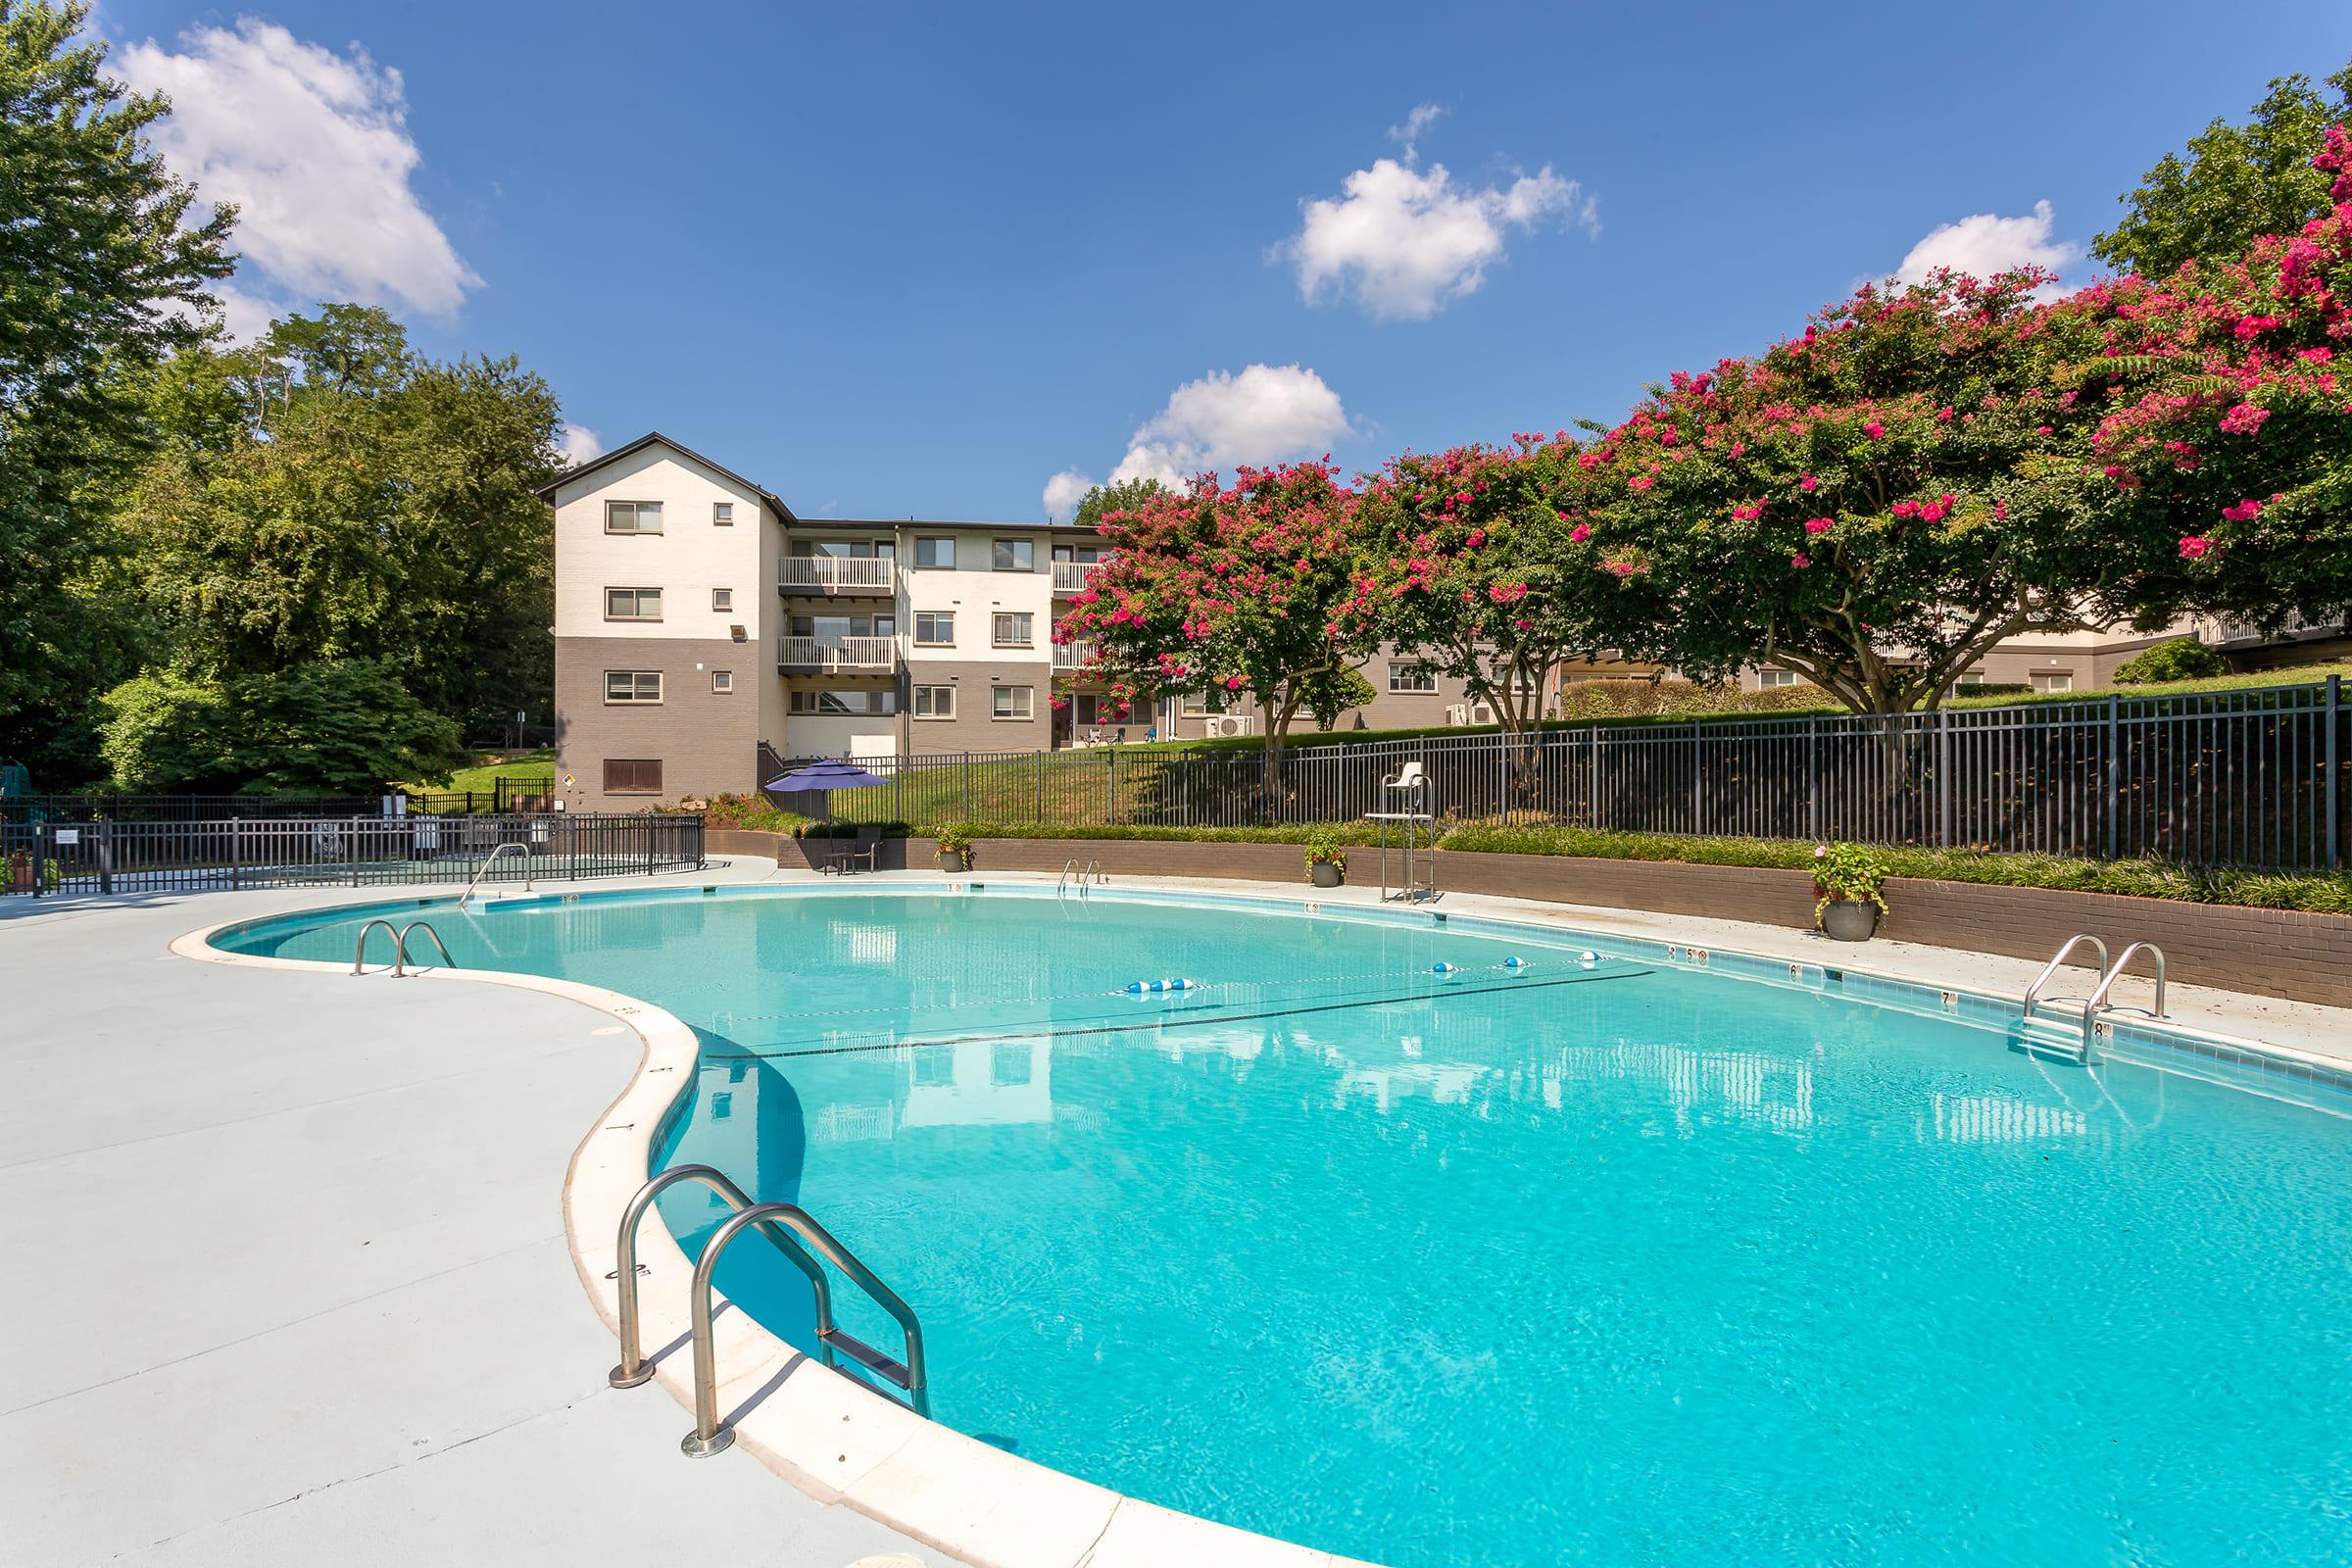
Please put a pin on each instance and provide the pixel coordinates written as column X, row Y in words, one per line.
column 2275, row 953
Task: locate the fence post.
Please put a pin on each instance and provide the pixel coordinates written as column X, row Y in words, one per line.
column 1698, row 779
column 40, row 861
column 1813, row 779
column 1110, row 785
column 1593, row 789
column 1040, row 788
column 2336, row 773
column 106, row 855
column 1943, row 777
column 2114, row 768
column 236, row 853
column 967, row 785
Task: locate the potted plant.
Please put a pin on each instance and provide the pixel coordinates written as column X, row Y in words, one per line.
column 20, row 871
column 1846, row 878
column 1326, row 858
column 955, row 847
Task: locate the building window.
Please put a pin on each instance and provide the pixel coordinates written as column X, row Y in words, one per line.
column 722, row 601
column 936, row 554
column 1412, row 678
column 632, row 685
column 1011, row 629
column 2056, row 680
column 1082, row 554
column 632, row 604
column 722, row 682
column 1193, row 706
column 640, row 775
column 851, row 704
column 935, row 628
column 1770, row 677
column 1013, row 555
column 1010, row 702
column 722, row 513
column 633, row 517
column 935, row 702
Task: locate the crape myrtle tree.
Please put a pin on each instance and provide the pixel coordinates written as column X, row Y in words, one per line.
column 1878, row 502
column 1228, row 592
column 1479, row 562
column 2228, row 424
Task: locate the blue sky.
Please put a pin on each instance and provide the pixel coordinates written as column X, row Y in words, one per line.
column 892, row 261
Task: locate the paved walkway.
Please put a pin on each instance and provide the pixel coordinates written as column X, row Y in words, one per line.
column 245, row 1326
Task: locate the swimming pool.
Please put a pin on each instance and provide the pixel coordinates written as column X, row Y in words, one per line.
column 1640, row 1261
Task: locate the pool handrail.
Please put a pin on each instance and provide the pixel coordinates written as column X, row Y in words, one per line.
column 359, row 950
column 2098, row 998
column 711, row 1434
column 2033, row 990
column 400, row 950
column 491, row 859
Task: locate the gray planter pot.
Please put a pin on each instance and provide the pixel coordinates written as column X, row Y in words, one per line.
column 1849, row 920
column 1325, row 874
column 955, row 861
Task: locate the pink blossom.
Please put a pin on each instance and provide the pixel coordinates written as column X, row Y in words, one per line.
column 1233, row 683
column 1818, row 524
column 1874, row 430
column 1747, row 514
column 2243, row 512
column 2192, row 547
column 1579, row 533
column 1641, row 482
column 1808, row 484
column 2244, row 420
column 1800, row 563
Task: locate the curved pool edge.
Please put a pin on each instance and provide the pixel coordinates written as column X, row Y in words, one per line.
column 839, row 1441
column 827, row 1434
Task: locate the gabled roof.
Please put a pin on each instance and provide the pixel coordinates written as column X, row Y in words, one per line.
column 547, row 492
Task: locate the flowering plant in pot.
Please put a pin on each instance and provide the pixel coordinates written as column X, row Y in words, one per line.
column 956, row 846
column 1846, row 879
column 1326, row 859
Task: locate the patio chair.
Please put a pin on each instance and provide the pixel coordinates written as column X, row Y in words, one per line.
column 867, row 848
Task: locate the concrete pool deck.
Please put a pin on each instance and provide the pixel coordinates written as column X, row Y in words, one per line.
column 292, row 1279
column 305, row 1291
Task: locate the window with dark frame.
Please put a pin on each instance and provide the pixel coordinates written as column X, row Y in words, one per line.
column 632, row 775
column 632, row 604
column 935, row 628
column 1013, row 555
column 1412, row 678
column 934, row 702
column 633, row 687
column 633, row 517
column 935, row 553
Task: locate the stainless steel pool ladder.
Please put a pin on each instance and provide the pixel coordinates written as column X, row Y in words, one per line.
column 2033, row 990
column 1092, row 876
column 788, row 1227
column 400, row 946
column 491, row 859
column 2098, row 998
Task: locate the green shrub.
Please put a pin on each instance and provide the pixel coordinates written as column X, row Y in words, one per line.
column 2182, row 658
column 1326, row 848
column 1852, row 872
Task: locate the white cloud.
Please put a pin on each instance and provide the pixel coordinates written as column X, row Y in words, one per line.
column 1984, row 244
column 1263, row 414
column 1410, row 133
column 313, row 149
column 1404, row 240
column 579, row 445
column 1064, row 491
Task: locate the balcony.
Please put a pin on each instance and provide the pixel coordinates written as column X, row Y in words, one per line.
column 1069, row 657
column 2238, row 635
column 1070, row 576
column 837, row 574
column 827, row 656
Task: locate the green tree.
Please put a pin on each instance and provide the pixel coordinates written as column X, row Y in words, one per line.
column 103, row 276
column 2236, row 184
column 328, row 727
column 1120, row 495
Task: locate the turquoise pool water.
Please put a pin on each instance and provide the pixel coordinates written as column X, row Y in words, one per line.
column 1629, row 1263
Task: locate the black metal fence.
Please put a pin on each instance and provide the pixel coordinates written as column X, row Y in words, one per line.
column 2251, row 777
column 230, row 852
column 509, row 795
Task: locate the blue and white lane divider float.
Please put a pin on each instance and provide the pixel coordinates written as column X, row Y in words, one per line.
column 1137, row 988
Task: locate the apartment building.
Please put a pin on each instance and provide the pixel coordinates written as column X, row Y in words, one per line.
column 705, row 634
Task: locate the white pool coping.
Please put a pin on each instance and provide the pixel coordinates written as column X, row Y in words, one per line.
column 839, row 1441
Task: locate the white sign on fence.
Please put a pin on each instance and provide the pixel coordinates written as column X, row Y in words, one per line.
column 68, row 835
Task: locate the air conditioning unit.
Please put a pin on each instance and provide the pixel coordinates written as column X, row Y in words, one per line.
column 1227, row 724
column 1458, row 713
column 1483, row 713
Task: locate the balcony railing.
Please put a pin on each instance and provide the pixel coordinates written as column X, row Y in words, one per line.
column 2245, row 634
column 1072, row 655
column 826, row 654
column 1070, row 575
column 827, row 574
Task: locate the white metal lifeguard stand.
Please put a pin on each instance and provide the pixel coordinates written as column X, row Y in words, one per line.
column 1408, row 800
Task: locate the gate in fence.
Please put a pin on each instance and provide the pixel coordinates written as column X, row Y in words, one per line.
column 2251, row 777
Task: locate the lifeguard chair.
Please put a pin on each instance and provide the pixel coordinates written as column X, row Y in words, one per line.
column 1409, row 802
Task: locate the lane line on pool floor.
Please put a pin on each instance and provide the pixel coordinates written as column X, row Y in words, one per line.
column 1193, row 1018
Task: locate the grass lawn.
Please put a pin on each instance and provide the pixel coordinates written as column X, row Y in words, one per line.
column 533, row 767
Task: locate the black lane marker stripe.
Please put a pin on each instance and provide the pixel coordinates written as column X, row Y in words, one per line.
column 1191, row 1020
